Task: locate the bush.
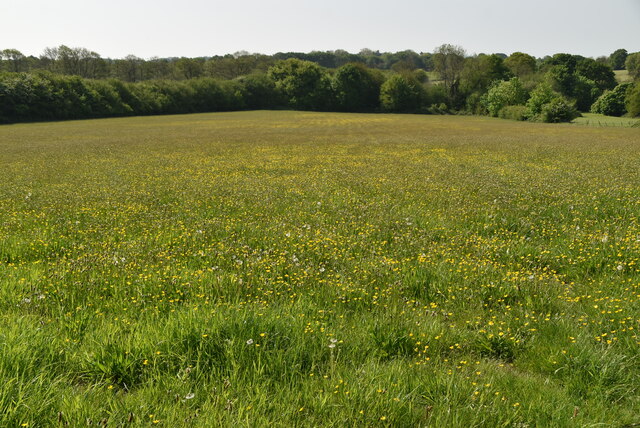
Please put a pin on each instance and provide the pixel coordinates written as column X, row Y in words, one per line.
column 633, row 101
column 612, row 103
column 260, row 92
column 305, row 84
column 505, row 93
column 438, row 109
column 585, row 92
column 558, row 110
column 401, row 94
column 513, row 113
column 632, row 64
column 357, row 88
column 541, row 95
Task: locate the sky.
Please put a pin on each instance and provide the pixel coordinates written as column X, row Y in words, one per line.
column 194, row 28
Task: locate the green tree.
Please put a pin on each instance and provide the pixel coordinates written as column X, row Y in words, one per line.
column 449, row 62
column 15, row 59
column 547, row 105
column 564, row 59
column 305, row 84
column 633, row 100
column 541, row 95
column 612, row 103
column 357, row 88
column 128, row 69
column 601, row 74
column 520, row 64
column 617, row 59
column 188, row 68
column 562, row 79
column 558, row 110
column 402, row 94
column 632, row 64
column 480, row 72
column 156, row 68
column 505, row 93
column 260, row 92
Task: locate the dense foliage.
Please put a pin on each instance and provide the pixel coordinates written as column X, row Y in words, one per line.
column 74, row 83
column 612, row 103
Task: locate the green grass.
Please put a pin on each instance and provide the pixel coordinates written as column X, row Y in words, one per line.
column 623, row 76
column 316, row 269
column 600, row 120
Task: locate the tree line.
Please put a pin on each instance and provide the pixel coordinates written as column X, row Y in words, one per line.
column 72, row 83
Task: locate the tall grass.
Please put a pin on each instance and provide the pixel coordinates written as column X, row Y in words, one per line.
column 304, row 269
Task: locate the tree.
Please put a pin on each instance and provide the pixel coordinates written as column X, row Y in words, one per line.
column 633, row 101
column 74, row 61
column 520, row 64
column 546, row 105
column 401, row 94
column 503, row 94
column 541, row 95
column 562, row 79
column 128, row 69
column 617, row 59
column 188, row 68
column 558, row 110
column 156, row 68
column 15, row 59
column 260, row 92
column 567, row 60
column 305, row 84
column 600, row 73
column 480, row 72
column 632, row 64
column 449, row 62
column 357, row 88
column 612, row 103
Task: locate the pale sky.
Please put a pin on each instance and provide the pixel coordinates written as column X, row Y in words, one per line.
column 167, row 28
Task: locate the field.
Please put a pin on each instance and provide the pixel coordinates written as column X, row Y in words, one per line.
column 623, row 76
column 593, row 119
column 313, row 269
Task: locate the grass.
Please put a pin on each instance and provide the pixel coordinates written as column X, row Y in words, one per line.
column 600, row 120
column 315, row 269
column 622, row 76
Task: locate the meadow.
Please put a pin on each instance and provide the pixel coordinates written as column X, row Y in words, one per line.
column 319, row 269
column 593, row 119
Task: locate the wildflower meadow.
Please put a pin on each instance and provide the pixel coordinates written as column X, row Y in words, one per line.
column 319, row 269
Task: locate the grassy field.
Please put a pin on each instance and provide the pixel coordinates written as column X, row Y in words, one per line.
column 600, row 120
column 622, row 76
column 306, row 269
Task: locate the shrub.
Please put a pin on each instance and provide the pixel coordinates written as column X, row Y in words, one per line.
column 612, row 103
column 357, row 88
column 305, row 84
column 632, row 64
column 541, row 95
column 513, row 113
column 633, row 101
column 505, row 93
column 401, row 94
column 558, row 110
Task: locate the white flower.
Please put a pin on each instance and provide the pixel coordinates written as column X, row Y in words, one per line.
column 250, row 342
column 332, row 345
column 189, row 396
column 619, row 267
